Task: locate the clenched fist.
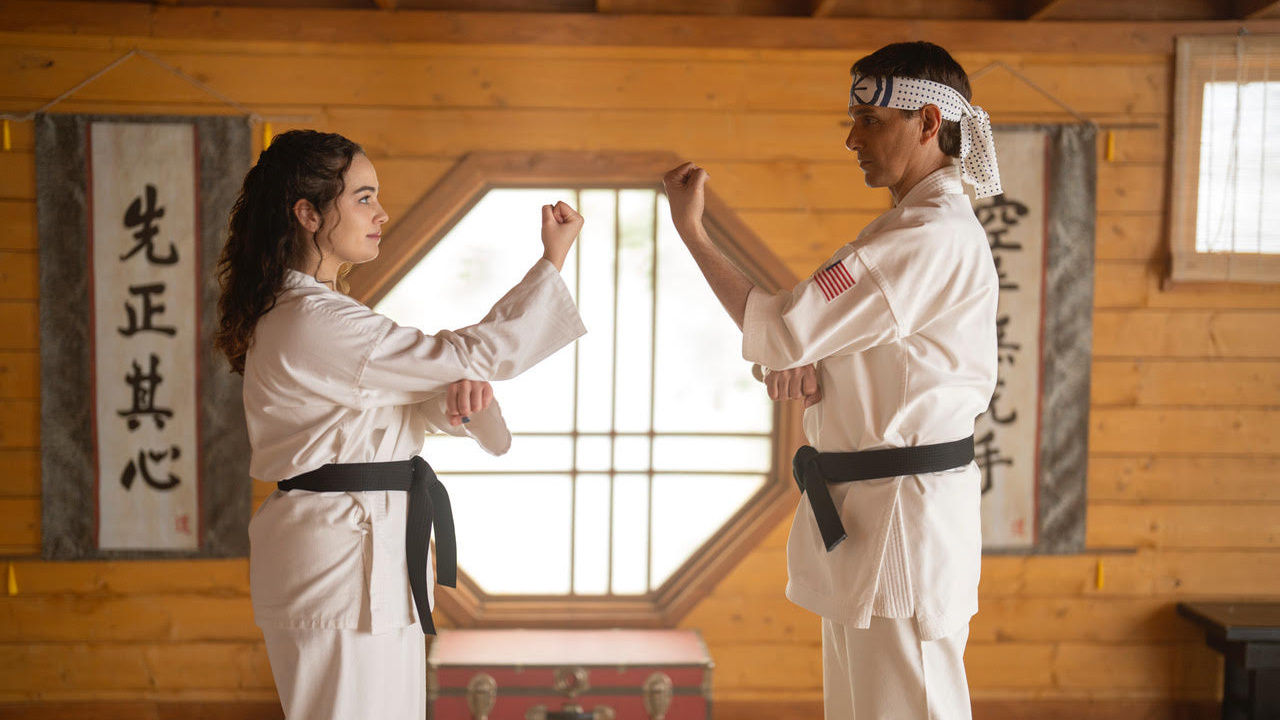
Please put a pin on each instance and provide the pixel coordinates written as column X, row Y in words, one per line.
column 794, row 384
column 685, row 187
column 466, row 398
column 560, row 227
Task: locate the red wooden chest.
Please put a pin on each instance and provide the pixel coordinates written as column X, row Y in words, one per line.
column 568, row 675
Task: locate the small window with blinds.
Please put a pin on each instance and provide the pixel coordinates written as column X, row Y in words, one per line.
column 1225, row 221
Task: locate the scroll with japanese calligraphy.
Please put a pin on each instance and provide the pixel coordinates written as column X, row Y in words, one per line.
column 143, row 447
column 143, row 242
column 1032, row 442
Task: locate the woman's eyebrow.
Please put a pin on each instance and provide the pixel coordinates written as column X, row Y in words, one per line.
column 362, row 188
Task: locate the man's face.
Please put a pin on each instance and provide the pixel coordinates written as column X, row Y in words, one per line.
column 886, row 141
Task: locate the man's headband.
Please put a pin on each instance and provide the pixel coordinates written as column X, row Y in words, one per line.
column 977, row 149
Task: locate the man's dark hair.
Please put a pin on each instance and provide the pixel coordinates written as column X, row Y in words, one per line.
column 923, row 61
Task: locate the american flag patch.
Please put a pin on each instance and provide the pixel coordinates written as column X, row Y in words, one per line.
column 834, row 280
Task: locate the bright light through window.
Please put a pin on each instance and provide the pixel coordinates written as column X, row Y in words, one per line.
column 632, row 447
column 1239, row 169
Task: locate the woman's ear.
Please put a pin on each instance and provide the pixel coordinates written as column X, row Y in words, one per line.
column 307, row 216
column 930, row 122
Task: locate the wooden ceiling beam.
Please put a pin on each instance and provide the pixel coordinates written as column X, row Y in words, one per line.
column 827, row 8
column 1257, row 9
column 772, row 8
column 590, row 29
column 916, row 9
column 1135, row 11
column 499, row 6
column 1039, row 9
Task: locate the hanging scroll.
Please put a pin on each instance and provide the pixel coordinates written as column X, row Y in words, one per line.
column 1032, row 442
column 143, row 448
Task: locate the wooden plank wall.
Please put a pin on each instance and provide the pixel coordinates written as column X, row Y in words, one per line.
column 1184, row 448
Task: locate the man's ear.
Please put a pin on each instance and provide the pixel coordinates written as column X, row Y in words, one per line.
column 930, row 122
column 307, row 216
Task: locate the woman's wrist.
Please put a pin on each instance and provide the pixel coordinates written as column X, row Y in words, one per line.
column 558, row 263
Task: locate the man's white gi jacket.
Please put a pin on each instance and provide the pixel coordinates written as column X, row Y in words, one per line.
column 902, row 326
column 327, row 380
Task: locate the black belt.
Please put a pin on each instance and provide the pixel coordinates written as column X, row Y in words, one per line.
column 813, row 470
column 428, row 502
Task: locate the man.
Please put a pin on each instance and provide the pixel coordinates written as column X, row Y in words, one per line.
column 892, row 344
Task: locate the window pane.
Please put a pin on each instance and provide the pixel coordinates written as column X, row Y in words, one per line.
column 541, row 398
column 448, row 454
column 595, row 251
column 717, row 454
column 631, row 453
column 636, row 309
column 1239, row 168
column 513, row 532
column 688, row 509
column 591, row 543
column 694, row 345
column 594, row 453
column 630, row 533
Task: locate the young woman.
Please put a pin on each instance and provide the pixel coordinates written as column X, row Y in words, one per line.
column 338, row 399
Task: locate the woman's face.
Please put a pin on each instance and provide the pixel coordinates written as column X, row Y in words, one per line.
column 353, row 223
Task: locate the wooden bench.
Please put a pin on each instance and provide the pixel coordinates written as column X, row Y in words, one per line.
column 1248, row 636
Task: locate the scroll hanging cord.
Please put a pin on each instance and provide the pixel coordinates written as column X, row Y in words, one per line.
column 1032, row 84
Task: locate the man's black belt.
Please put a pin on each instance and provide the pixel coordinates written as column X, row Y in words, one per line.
column 428, row 503
column 813, row 470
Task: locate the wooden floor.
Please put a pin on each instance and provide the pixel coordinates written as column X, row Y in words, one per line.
column 982, row 710
column 999, row 710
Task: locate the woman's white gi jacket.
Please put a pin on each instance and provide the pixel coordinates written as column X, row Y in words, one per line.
column 327, row 380
column 905, row 346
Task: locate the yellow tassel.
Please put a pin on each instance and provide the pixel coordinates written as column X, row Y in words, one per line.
column 8, row 143
column 266, row 135
column 1111, row 146
column 1100, row 577
column 13, row 580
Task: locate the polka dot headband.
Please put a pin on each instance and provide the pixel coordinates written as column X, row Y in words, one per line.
column 977, row 149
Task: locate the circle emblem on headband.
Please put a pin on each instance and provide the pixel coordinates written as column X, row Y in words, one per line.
column 871, row 90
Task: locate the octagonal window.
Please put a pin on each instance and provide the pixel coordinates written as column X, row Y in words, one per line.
column 635, row 450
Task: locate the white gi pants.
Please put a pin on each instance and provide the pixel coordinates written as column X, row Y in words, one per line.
column 886, row 672
column 324, row 674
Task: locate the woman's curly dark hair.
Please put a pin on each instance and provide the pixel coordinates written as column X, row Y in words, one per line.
column 264, row 238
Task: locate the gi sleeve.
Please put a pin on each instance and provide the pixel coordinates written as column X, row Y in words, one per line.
column 841, row 309
column 533, row 320
column 487, row 427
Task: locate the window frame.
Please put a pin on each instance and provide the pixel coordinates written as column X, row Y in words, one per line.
column 1198, row 60
column 431, row 218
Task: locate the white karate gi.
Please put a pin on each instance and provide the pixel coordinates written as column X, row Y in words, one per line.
column 327, row 380
column 905, row 356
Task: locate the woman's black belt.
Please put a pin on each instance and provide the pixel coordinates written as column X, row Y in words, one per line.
column 813, row 470
column 428, row 503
